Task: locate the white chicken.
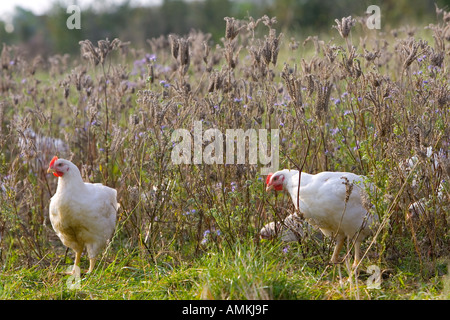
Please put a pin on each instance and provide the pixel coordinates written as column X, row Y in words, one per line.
column 36, row 148
column 82, row 214
column 330, row 201
column 419, row 208
column 291, row 229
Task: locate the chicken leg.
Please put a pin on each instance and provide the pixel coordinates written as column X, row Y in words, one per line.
column 91, row 265
column 339, row 243
column 357, row 253
column 76, row 265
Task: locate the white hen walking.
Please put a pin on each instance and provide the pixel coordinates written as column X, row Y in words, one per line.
column 330, row 201
column 82, row 214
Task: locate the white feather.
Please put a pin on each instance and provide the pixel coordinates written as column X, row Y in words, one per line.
column 322, row 203
column 83, row 214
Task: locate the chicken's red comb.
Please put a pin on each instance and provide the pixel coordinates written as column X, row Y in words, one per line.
column 53, row 161
column 268, row 178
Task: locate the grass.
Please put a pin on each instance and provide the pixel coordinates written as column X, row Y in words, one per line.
column 248, row 273
column 191, row 231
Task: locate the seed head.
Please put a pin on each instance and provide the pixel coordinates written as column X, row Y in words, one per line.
column 344, row 26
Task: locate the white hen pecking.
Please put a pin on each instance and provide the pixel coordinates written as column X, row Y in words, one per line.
column 330, row 201
column 82, row 214
column 289, row 230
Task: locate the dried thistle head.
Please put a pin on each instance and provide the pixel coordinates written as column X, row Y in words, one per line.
column 269, row 22
column 270, row 48
column 370, row 56
column 232, row 28
column 446, row 17
column 365, row 201
column 348, row 188
column 206, row 51
column 105, row 47
column 317, row 43
column 437, row 58
column 266, row 52
column 180, row 51
column 344, row 26
column 99, row 54
column 323, row 98
column 443, row 95
column 331, row 52
column 411, row 49
column 184, row 52
column 293, row 44
column 251, row 26
column 89, row 52
column 417, row 134
column 275, row 45
column 175, row 45
column 293, row 85
column 438, row 10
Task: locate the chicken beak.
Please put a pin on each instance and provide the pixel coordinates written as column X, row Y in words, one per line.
column 50, row 170
column 269, row 187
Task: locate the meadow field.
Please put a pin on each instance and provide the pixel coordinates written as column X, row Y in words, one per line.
column 370, row 101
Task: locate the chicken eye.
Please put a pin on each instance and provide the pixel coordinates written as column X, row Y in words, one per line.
column 275, row 179
column 59, row 164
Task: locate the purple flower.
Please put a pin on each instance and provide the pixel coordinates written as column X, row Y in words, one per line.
column 205, row 236
column 334, row 131
column 189, row 212
column 150, row 57
column 164, row 83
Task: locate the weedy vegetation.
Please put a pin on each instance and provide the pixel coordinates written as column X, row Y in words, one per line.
column 367, row 101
